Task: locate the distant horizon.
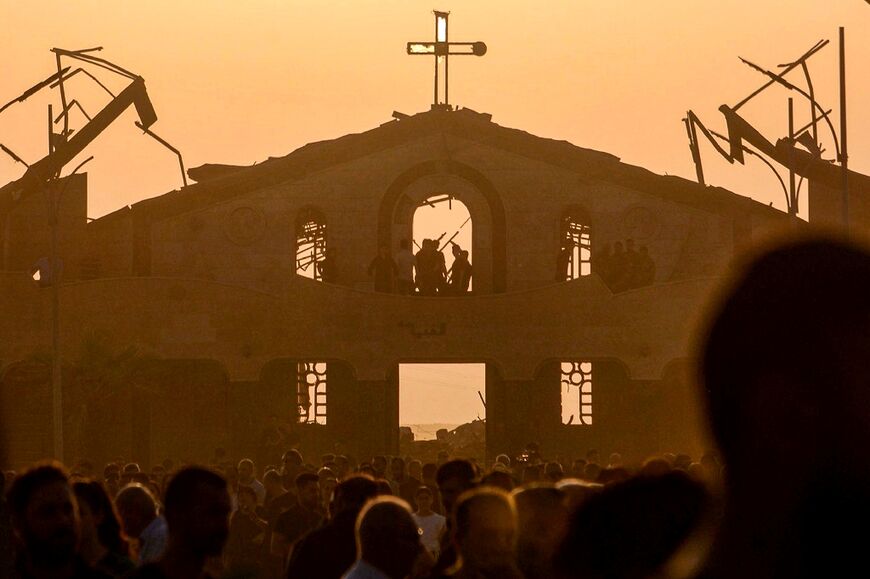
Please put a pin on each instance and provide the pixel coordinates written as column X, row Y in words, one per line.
column 427, row 431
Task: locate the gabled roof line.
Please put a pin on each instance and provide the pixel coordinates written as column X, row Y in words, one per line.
column 223, row 182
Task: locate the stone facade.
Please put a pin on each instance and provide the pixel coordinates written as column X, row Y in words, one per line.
column 202, row 282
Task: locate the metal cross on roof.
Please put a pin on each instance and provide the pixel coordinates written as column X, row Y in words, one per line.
column 442, row 49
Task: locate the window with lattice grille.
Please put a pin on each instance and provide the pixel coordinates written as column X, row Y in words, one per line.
column 310, row 244
column 576, row 386
column 576, row 247
column 311, row 392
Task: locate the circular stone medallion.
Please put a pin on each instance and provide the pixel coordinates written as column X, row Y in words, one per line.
column 245, row 225
column 640, row 223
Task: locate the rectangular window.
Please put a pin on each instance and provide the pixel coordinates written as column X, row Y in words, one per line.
column 311, row 392
column 576, row 388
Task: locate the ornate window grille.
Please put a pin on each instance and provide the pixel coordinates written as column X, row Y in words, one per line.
column 310, row 243
column 577, row 241
column 576, row 385
column 311, row 392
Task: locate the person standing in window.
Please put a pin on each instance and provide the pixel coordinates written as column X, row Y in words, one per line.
column 460, row 272
column 405, row 261
column 326, row 266
column 384, row 270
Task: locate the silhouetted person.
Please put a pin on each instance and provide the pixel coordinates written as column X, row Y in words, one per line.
column 542, row 519
column 454, row 478
column 484, row 536
column 563, row 262
column 102, row 545
column 112, row 479
column 413, row 481
column 272, row 440
column 384, row 270
column 326, row 266
column 425, row 267
column 278, row 500
column 430, row 268
column 388, row 541
column 592, row 456
column 631, row 529
column 140, row 520
column 379, row 463
column 197, row 512
column 298, row 520
column 431, row 523
column 405, row 262
column 601, row 262
column 645, row 270
column 619, row 274
column 441, row 271
column 577, row 491
column 245, row 549
column 291, row 465
column 45, row 521
column 460, row 277
column 328, row 552
column 499, row 478
column 429, row 478
column 403, row 485
column 248, row 478
column 786, row 371
column 553, row 472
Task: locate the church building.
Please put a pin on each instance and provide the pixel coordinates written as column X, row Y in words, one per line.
column 208, row 315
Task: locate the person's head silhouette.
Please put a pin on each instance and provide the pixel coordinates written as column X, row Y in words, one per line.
column 786, row 375
column 786, row 362
column 387, row 537
column 197, row 512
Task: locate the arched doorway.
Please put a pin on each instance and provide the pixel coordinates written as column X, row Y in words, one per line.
column 465, row 184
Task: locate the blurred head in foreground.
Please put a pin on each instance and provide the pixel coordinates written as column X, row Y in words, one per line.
column 786, row 375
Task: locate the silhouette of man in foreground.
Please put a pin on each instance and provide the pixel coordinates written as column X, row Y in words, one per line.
column 137, row 508
column 45, row 520
column 328, row 552
column 197, row 506
column 388, row 541
column 485, row 535
column 786, row 370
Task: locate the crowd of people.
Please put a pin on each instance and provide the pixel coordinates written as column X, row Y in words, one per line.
column 787, row 399
column 621, row 266
column 385, row 517
column 424, row 272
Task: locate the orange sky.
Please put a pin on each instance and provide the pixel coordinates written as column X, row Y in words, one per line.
column 237, row 82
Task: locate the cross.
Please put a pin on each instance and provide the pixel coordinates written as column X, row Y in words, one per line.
column 441, row 49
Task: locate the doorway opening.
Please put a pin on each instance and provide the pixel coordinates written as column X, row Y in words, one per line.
column 446, row 220
column 444, row 403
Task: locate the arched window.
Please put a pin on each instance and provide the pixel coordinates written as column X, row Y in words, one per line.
column 311, row 245
column 575, row 247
